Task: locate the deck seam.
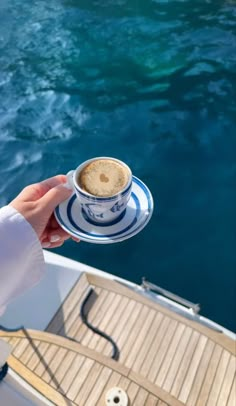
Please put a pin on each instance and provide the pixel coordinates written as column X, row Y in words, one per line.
column 163, row 333
column 184, row 328
column 205, row 349
column 166, row 350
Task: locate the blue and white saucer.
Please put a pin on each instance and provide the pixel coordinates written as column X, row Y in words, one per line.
column 75, row 222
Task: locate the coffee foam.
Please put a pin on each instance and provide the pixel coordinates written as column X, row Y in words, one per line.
column 103, row 178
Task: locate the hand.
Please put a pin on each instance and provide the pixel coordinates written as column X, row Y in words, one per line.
column 37, row 203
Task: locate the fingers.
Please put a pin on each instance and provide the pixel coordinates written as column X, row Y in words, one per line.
column 55, row 242
column 52, row 182
column 53, row 235
column 52, row 245
column 37, row 190
column 55, row 196
column 53, row 224
column 75, row 239
column 57, row 235
column 55, row 229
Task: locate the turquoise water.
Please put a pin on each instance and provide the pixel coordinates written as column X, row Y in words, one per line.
column 152, row 83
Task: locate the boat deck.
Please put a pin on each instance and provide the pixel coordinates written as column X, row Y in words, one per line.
column 165, row 359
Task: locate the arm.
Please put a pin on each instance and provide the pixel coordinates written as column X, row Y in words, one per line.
column 27, row 225
column 21, row 255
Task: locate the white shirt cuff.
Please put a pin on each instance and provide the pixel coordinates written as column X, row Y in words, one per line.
column 21, row 256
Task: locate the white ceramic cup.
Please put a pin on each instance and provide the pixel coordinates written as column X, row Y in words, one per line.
column 103, row 210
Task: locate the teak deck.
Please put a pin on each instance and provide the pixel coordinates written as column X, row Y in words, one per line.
column 165, row 359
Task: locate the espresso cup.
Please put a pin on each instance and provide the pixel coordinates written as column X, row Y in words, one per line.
column 103, row 188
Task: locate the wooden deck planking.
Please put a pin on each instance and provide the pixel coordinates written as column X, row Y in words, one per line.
column 45, row 361
column 125, row 327
column 83, row 334
column 20, row 347
column 181, row 374
column 124, row 383
column 160, row 352
column 132, row 391
column 153, row 389
column 140, row 398
column 96, row 342
column 113, row 381
column 150, row 337
column 151, row 401
column 78, row 329
column 232, row 396
column 138, row 344
column 71, row 374
column 218, row 380
column 148, row 362
column 121, row 326
column 49, row 374
column 114, row 286
column 227, row 383
column 99, row 317
column 90, row 384
column 175, row 364
column 163, row 370
column 209, row 377
column 37, row 356
column 92, row 381
column 13, row 341
column 90, row 397
column 29, row 351
column 110, row 327
column 80, row 378
column 133, row 334
column 63, row 368
column 192, row 369
column 201, row 373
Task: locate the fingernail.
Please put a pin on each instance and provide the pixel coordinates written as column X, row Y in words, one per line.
column 75, row 239
column 46, row 244
column 55, row 238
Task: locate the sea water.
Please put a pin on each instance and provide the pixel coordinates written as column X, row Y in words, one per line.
column 152, row 83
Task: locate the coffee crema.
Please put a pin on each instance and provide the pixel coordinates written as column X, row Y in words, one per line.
column 103, row 177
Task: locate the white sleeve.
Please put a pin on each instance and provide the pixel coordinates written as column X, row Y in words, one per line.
column 21, row 256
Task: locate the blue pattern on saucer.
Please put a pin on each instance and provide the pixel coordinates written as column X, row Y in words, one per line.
column 75, row 222
column 70, row 217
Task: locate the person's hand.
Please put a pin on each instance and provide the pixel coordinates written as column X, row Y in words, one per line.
column 37, row 203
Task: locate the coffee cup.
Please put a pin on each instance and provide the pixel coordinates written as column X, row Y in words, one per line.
column 103, row 188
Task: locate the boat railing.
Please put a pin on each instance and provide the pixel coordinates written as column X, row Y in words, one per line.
column 148, row 286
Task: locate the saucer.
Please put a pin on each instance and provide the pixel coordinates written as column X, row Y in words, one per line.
column 137, row 214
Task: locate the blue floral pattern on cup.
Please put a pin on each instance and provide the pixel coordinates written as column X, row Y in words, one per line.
column 100, row 209
column 117, row 207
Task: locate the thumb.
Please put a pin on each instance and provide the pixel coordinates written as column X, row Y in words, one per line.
column 56, row 196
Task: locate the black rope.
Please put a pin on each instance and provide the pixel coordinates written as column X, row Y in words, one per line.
column 115, row 350
column 83, row 315
column 3, row 371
